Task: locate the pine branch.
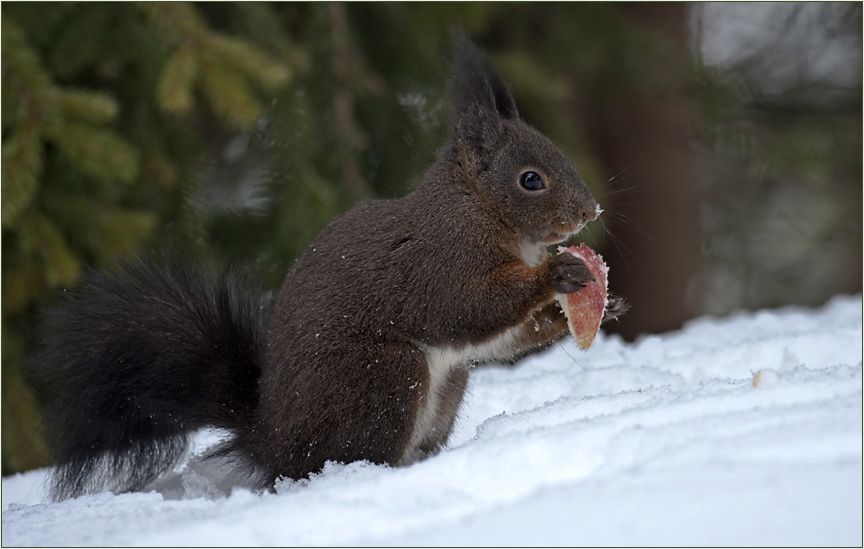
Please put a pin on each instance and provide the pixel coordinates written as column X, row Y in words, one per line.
column 177, row 81
column 40, row 238
column 22, row 167
column 227, row 69
column 97, row 152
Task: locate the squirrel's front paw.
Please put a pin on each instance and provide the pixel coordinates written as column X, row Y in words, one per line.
column 567, row 273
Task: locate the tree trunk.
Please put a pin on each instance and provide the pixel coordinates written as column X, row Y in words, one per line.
column 654, row 254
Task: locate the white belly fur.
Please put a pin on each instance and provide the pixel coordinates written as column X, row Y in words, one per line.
column 441, row 361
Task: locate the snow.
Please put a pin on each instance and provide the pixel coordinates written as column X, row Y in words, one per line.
column 667, row 441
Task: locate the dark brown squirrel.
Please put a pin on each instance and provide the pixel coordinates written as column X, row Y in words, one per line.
column 366, row 353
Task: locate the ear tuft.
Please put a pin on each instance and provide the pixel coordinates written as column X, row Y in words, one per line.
column 477, row 83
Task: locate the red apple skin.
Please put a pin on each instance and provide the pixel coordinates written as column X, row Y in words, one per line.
column 584, row 309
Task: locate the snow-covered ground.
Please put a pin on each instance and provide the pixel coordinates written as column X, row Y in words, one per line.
column 738, row 431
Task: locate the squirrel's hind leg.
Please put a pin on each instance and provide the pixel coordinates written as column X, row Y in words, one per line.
column 442, row 415
column 362, row 404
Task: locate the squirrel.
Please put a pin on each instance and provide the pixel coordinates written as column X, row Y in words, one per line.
column 364, row 353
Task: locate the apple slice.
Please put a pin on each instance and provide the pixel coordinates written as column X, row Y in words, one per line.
column 584, row 309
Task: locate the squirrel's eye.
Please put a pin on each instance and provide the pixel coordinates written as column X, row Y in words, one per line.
column 531, row 181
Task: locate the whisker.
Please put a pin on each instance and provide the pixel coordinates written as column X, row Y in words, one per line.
column 630, row 223
column 576, row 362
column 626, row 190
column 621, row 204
column 624, row 178
column 623, row 249
column 627, row 168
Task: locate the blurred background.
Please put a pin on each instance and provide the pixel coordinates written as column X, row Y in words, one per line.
column 722, row 140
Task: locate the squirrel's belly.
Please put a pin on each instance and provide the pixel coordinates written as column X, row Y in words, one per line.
column 447, row 368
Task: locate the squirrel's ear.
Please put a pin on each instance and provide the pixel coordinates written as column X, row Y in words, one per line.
column 478, row 88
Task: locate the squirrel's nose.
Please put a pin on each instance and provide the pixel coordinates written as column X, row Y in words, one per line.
column 591, row 215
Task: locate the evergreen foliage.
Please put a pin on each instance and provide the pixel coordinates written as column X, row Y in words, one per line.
column 234, row 132
column 106, row 113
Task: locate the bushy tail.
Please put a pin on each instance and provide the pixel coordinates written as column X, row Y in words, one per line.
column 141, row 357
